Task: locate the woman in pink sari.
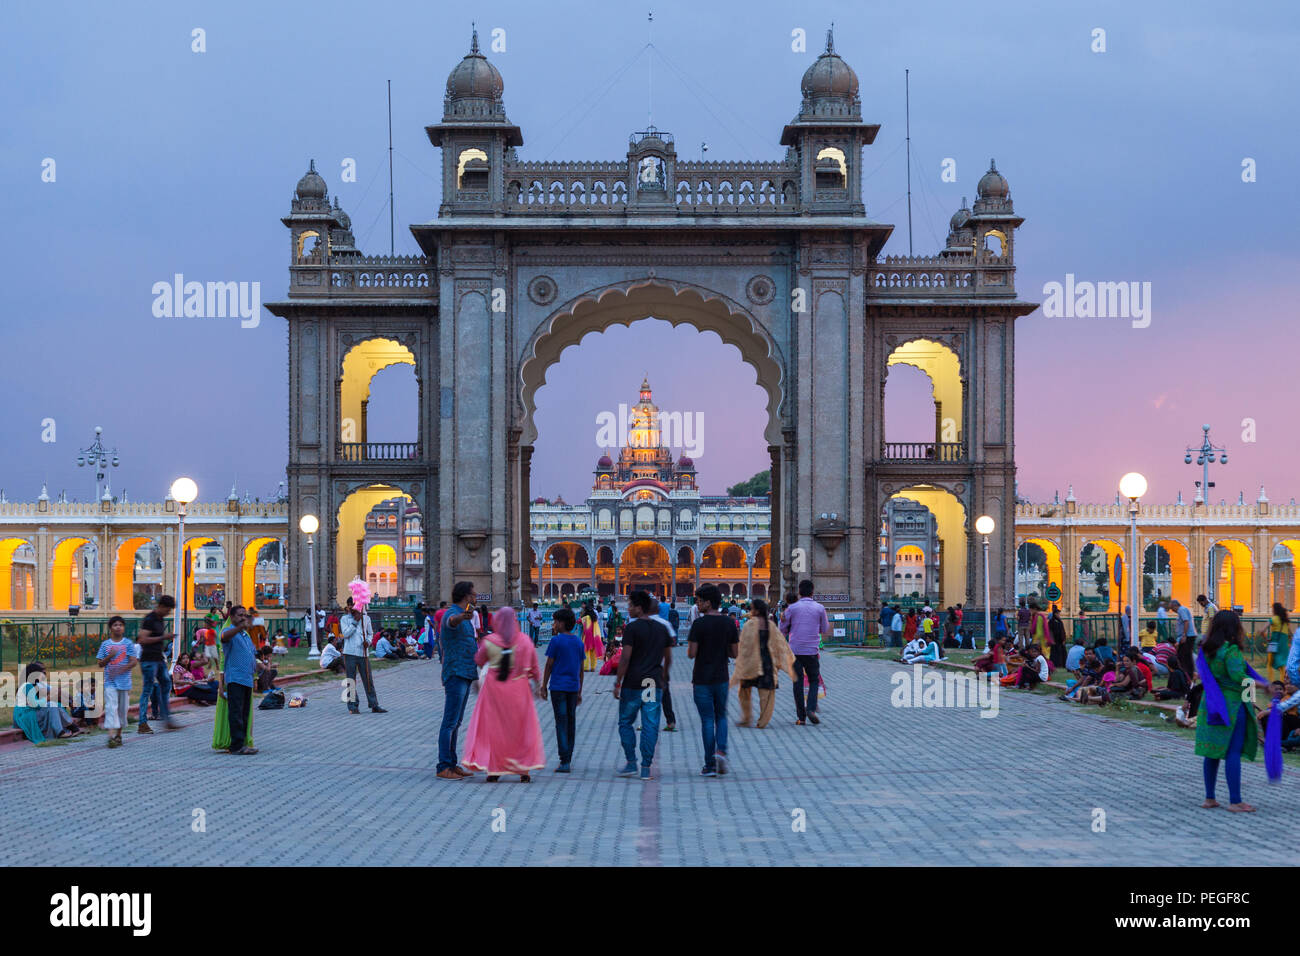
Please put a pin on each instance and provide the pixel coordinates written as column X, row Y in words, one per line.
column 504, row 735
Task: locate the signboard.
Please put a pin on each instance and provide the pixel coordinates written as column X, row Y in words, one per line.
column 831, row 599
column 482, row 598
column 1053, row 592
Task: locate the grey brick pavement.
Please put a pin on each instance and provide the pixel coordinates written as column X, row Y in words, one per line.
column 878, row 785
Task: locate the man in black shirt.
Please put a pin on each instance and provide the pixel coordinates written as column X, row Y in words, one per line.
column 642, row 676
column 154, row 668
column 714, row 639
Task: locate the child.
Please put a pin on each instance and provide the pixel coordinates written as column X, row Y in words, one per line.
column 564, row 662
column 117, row 656
column 612, row 656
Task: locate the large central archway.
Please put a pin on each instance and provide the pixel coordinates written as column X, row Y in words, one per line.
column 678, row 303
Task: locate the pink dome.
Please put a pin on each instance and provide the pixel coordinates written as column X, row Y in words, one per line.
column 605, row 462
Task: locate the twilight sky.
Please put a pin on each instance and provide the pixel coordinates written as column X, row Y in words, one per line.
column 1127, row 166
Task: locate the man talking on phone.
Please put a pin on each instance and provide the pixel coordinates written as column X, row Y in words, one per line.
column 458, row 642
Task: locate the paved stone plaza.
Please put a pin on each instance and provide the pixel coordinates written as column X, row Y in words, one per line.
column 879, row 785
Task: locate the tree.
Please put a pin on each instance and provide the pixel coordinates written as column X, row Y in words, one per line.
column 757, row 486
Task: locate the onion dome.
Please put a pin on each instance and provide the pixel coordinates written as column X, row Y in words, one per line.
column 344, row 220
column 959, row 218
column 605, row 462
column 311, row 186
column 685, row 462
column 474, row 77
column 993, row 185
column 829, row 75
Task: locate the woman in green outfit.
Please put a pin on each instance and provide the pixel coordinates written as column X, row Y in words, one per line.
column 1279, row 639
column 1225, row 724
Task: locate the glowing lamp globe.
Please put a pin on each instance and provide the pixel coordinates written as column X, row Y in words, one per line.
column 184, row 490
column 984, row 524
column 1133, row 485
column 308, row 524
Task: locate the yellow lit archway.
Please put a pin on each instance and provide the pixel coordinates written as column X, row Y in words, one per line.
column 360, row 366
column 65, row 573
column 124, row 573
column 1055, row 567
column 1117, row 591
column 950, row 520
column 350, row 562
column 381, row 570
column 17, row 584
column 188, row 571
column 943, row 367
column 1287, row 596
column 248, row 570
column 1236, row 576
column 1180, row 570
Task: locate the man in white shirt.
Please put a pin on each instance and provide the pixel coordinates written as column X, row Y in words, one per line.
column 1208, row 610
column 331, row 657
column 357, row 630
column 383, row 648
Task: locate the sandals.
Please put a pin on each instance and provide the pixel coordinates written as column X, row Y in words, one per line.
column 1241, row 808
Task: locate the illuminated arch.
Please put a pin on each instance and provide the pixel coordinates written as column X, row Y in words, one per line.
column 644, row 564
column 124, row 572
column 941, row 364
column 349, row 561
column 248, row 569
column 1118, row 588
column 1052, row 551
column 17, row 584
column 1286, row 596
column 360, row 366
column 1235, row 575
column 65, row 574
column 192, row 545
column 1180, row 569
column 381, row 566
column 950, row 521
column 729, row 556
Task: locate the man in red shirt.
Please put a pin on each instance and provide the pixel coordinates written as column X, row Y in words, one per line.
column 206, row 637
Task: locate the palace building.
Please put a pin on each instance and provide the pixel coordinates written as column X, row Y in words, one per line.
column 645, row 525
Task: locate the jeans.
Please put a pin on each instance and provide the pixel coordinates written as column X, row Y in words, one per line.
column 565, row 705
column 154, row 673
column 631, row 703
column 811, row 665
column 670, row 719
column 897, row 638
column 456, row 690
column 711, row 702
column 238, row 697
column 352, row 664
column 1233, row 769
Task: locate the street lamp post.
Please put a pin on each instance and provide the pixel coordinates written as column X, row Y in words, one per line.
column 1133, row 486
column 184, row 490
column 984, row 525
column 100, row 459
column 309, row 524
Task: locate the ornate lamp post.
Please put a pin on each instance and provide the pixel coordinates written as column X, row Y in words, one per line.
column 99, row 458
column 1206, row 456
column 308, row 525
column 1133, row 486
column 184, row 490
column 984, row 525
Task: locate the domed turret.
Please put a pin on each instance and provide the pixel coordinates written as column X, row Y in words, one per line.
column 311, row 186
column 605, row 463
column 993, row 185
column 474, row 76
column 959, row 217
column 829, row 75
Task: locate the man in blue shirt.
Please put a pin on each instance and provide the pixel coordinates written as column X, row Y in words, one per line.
column 459, row 644
column 236, row 682
column 563, row 678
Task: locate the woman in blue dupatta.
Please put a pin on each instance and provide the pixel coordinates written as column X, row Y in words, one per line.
column 1225, row 724
column 36, row 715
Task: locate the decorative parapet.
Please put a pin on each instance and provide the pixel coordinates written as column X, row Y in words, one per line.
column 351, row 276
column 1172, row 513
column 931, row 276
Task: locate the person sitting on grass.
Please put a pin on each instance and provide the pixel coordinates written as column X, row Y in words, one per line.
column 1137, row 660
column 1087, row 674
column 995, row 659
column 1034, row 670
column 186, row 684
column 1131, row 684
column 1288, row 710
column 384, row 650
column 39, row 718
column 1177, row 684
column 1104, row 651
column 921, row 651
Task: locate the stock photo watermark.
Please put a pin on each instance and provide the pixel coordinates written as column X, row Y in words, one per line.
column 211, row 300
column 1085, row 299
column 945, row 689
column 676, row 430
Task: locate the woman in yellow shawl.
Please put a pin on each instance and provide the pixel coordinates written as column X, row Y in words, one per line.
column 593, row 641
column 763, row 653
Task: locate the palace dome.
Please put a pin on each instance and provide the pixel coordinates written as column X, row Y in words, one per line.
column 684, row 462
column 474, row 76
column 993, row 185
column 829, row 75
column 605, row 462
column 959, row 218
column 311, row 186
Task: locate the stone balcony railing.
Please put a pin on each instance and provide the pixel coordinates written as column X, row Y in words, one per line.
column 352, row 276
column 939, row 276
column 1174, row 513
column 926, row 451
column 596, row 188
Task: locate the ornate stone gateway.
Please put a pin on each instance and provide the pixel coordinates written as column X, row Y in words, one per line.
column 778, row 258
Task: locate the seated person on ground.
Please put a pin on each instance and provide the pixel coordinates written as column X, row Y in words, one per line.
column 39, row 718
column 266, row 671
column 1034, row 670
column 995, row 659
column 1177, row 685
column 188, row 682
column 1131, row 682
column 921, row 651
column 1075, row 655
column 384, row 648
column 331, row 658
